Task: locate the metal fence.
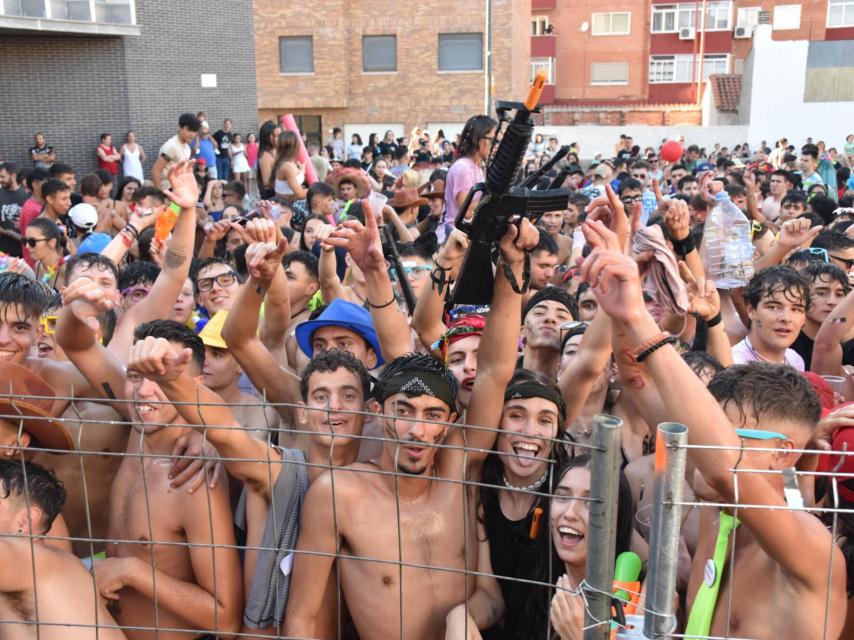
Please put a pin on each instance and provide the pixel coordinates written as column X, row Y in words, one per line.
column 657, row 610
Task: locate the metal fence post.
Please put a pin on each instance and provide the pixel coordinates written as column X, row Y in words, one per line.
column 668, row 480
column 602, row 524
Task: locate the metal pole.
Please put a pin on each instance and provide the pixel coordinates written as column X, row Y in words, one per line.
column 602, row 524
column 668, row 480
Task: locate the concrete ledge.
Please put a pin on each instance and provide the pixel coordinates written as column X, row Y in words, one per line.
column 22, row 24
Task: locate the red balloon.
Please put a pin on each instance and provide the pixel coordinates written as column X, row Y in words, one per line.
column 671, row 151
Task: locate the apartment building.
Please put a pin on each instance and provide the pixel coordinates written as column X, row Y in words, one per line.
column 74, row 69
column 603, row 53
column 374, row 65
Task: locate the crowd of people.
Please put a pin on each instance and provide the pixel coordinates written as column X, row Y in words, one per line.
column 237, row 400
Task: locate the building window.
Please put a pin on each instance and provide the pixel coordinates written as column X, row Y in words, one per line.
column 748, row 17
column 296, row 54
column 604, row 73
column 540, row 26
column 28, row 8
column 379, row 53
column 678, row 68
column 786, row 17
column 114, row 11
column 544, row 64
column 460, row 52
column 611, row 24
column 70, row 10
column 670, row 18
column 840, row 13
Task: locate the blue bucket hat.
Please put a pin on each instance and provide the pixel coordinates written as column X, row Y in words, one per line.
column 340, row 313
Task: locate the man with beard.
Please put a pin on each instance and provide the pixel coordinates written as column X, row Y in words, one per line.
column 410, row 508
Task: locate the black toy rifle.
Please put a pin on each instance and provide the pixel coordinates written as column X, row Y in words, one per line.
column 392, row 255
column 502, row 202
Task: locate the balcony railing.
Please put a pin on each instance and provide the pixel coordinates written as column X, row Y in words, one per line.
column 116, row 17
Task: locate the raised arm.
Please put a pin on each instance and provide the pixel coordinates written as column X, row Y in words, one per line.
column 827, row 350
column 793, row 234
column 122, row 241
column 365, row 248
column 330, row 284
column 496, row 359
column 793, row 539
column 246, row 458
column 176, row 264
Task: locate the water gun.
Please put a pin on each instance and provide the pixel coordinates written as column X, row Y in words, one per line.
column 166, row 222
column 627, row 588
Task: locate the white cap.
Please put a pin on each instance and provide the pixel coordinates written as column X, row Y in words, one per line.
column 84, row 216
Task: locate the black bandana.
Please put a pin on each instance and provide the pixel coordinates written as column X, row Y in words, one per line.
column 422, row 383
column 532, row 389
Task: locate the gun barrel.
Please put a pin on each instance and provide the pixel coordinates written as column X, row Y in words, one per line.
column 536, row 90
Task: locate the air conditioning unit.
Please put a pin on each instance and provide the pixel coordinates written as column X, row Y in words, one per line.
column 742, row 33
column 687, row 33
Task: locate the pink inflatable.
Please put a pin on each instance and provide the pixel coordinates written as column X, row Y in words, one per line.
column 290, row 124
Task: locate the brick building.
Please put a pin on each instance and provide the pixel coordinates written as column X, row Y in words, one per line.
column 372, row 65
column 635, row 62
column 74, row 69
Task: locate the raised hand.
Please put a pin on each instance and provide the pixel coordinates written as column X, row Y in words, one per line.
column 361, row 241
column 567, row 611
column 677, row 217
column 450, row 255
column 517, row 241
column 86, row 299
column 609, row 209
column 154, row 359
column 185, row 189
column 797, row 233
column 263, row 259
column 599, row 236
column 218, row 230
column 704, row 297
column 615, row 281
column 840, row 418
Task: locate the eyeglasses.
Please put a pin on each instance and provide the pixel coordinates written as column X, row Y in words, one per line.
column 48, row 323
column 136, row 293
column 760, row 434
column 631, row 199
column 848, row 262
column 32, row 242
column 224, row 280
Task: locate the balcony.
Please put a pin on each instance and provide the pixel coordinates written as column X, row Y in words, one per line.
column 83, row 17
column 543, row 46
column 542, row 5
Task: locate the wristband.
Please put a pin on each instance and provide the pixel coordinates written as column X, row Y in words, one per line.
column 715, row 321
column 643, row 346
column 175, row 207
column 380, row 306
column 131, row 230
column 683, row 247
column 507, row 270
column 643, row 355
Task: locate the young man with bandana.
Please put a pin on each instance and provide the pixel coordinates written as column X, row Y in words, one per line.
column 753, row 416
column 415, row 511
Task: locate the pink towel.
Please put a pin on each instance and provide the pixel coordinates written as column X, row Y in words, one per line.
column 662, row 280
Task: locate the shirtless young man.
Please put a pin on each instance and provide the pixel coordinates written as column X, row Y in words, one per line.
column 407, row 512
column 143, row 503
column 788, row 552
column 43, row 588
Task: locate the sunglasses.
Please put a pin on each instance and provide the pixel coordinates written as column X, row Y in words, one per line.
column 816, row 251
column 848, row 262
column 48, row 323
column 224, row 280
column 32, row 242
column 631, row 199
column 760, row 434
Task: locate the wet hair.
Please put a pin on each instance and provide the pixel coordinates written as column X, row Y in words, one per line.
column 332, row 360
column 87, row 260
column 173, row 332
column 189, row 121
column 52, row 186
column 815, row 269
column 149, row 192
column 833, row 241
column 552, row 293
column 700, row 361
column 779, row 278
column 308, row 260
column 137, row 273
column 546, row 243
column 33, row 485
column 17, row 289
column 803, row 255
column 771, row 392
column 473, row 132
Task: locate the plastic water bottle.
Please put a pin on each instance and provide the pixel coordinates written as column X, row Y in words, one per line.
column 727, row 251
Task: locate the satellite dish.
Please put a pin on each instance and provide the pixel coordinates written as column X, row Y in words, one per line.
column 584, row 27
